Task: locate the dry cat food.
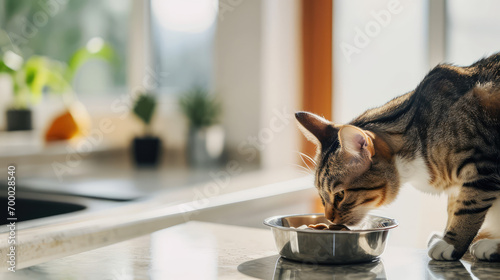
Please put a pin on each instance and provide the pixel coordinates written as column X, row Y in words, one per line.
column 323, row 226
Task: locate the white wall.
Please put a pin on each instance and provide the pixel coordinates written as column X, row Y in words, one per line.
column 238, row 50
column 473, row 30
column 257, row 74
column 281, row 80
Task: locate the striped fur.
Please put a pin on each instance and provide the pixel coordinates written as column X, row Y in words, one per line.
column 445, row 134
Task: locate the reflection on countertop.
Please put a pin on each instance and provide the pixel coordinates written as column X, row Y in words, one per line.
column 198, row 250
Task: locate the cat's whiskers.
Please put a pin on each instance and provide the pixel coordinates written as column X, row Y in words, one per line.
column 303, row 169
column 309, row 158
column 313, row 162
column 306, row 165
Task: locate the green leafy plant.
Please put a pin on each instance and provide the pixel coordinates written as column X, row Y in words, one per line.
column 96, row 48
column 4, row 68
column 41, row 74
column 144, row 108
column 201, row 108
column 38, row 74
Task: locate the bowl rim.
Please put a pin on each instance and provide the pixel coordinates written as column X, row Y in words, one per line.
column 267, row 223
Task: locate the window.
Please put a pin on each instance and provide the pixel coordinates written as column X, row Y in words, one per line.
column 183, row 35
column 473, row 30
column 379, row 53
column 57, row 28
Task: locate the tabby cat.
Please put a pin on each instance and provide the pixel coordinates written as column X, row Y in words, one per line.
column 444, row 136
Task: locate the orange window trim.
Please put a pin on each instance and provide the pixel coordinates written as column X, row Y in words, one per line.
column 317, row 18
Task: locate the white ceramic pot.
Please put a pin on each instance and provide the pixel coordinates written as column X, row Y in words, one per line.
column 205, row 145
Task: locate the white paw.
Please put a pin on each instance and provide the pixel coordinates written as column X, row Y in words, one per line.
column 486, row 249
column 440, row 250
column 434, row 236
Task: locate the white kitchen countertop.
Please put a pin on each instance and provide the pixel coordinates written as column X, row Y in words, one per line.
column 197, row 250
column 71, row 234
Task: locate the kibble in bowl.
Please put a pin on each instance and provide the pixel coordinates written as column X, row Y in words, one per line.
column 323, row 226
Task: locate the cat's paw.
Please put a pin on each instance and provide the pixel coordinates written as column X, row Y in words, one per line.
column 434, row 236
column 440, row 250
column 486, row 250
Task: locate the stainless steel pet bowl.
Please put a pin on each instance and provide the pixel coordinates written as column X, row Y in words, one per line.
column 363, row 243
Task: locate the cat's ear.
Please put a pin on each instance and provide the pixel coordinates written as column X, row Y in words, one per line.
column 355, row 141
column 316, row 129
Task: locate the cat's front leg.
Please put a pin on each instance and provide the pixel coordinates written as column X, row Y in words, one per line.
column 466, row 215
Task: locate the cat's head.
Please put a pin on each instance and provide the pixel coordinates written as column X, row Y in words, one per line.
column 355, row 171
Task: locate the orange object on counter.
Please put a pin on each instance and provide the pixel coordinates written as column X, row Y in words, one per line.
column 64, row 127
column 70, row 124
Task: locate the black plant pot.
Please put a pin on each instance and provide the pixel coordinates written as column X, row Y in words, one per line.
column 146, row 150
column 19, row 119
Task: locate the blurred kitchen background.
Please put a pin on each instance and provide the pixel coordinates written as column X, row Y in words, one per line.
column 121, row 99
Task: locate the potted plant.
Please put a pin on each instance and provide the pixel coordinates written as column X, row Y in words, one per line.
column 29, row 81
column 18, row 114
column 147, row 148
column 205, row 142
column 16, row 117
column 40, row 74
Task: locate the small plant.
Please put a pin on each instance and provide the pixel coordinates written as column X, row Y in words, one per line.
column 39, row 74
column 144, row 108
column 31, row 78
column 147, row 148
column 202, row 109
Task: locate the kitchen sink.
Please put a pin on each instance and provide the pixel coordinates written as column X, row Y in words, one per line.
column 29, row 209
column 34, row 208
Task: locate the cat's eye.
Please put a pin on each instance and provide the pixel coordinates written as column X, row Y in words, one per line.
column 339, row 196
